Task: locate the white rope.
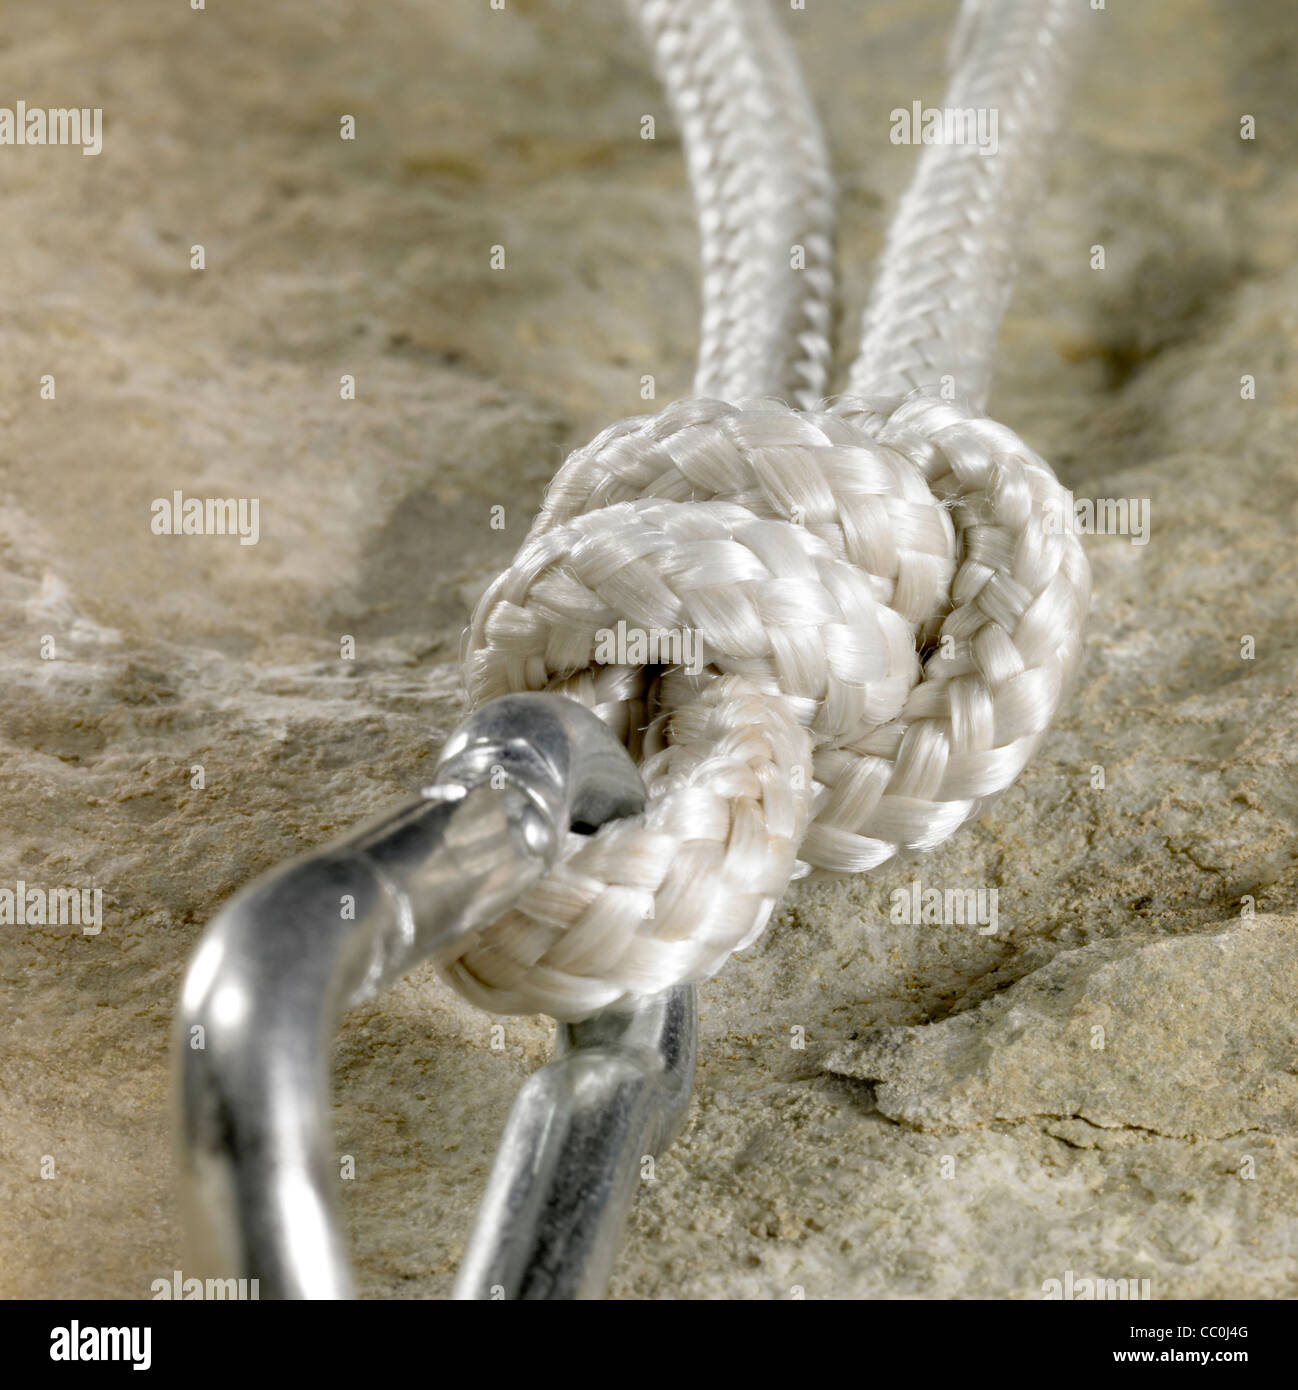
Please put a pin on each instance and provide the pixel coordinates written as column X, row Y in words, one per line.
column 949, row 263
column 763, row 191
column 887, row 615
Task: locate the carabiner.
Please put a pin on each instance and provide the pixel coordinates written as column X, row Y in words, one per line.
column 274, row 970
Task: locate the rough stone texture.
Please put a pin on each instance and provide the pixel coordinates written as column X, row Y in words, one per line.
column 961, row 1153
column 1196, row 1038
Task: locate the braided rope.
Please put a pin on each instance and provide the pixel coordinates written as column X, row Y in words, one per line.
column 888, row 615
column 949, row 263
column 763, row 188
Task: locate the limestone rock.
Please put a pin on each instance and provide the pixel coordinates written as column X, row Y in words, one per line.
column 1164, row 796
column 1192, row 1037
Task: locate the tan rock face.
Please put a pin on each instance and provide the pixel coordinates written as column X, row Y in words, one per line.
column 948, row 1127
column 1192, row 1037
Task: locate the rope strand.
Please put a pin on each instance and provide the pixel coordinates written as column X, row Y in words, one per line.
column 887, row 613
column 949, row 263
column 763, row 191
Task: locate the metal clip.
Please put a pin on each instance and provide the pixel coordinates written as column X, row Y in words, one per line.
column 274, row 970
column 567, row 1166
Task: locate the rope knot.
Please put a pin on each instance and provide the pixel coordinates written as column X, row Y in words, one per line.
column 882, row 620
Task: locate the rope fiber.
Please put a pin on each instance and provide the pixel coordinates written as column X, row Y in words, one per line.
column 950, row 260
column 762, row 188
column 887, row 608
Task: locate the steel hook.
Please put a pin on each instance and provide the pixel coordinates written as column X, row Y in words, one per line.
column 274, row 970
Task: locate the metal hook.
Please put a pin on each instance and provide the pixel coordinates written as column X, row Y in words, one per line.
column 567, row 1166
column 276, row 967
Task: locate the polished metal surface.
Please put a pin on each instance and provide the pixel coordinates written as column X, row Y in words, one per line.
column 575, row 1147
column 274, row 970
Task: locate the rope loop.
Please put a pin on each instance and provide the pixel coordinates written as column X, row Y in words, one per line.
column 827, row 634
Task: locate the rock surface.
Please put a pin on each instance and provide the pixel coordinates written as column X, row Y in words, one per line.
column 1189, row 1037
column 947, row 1129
